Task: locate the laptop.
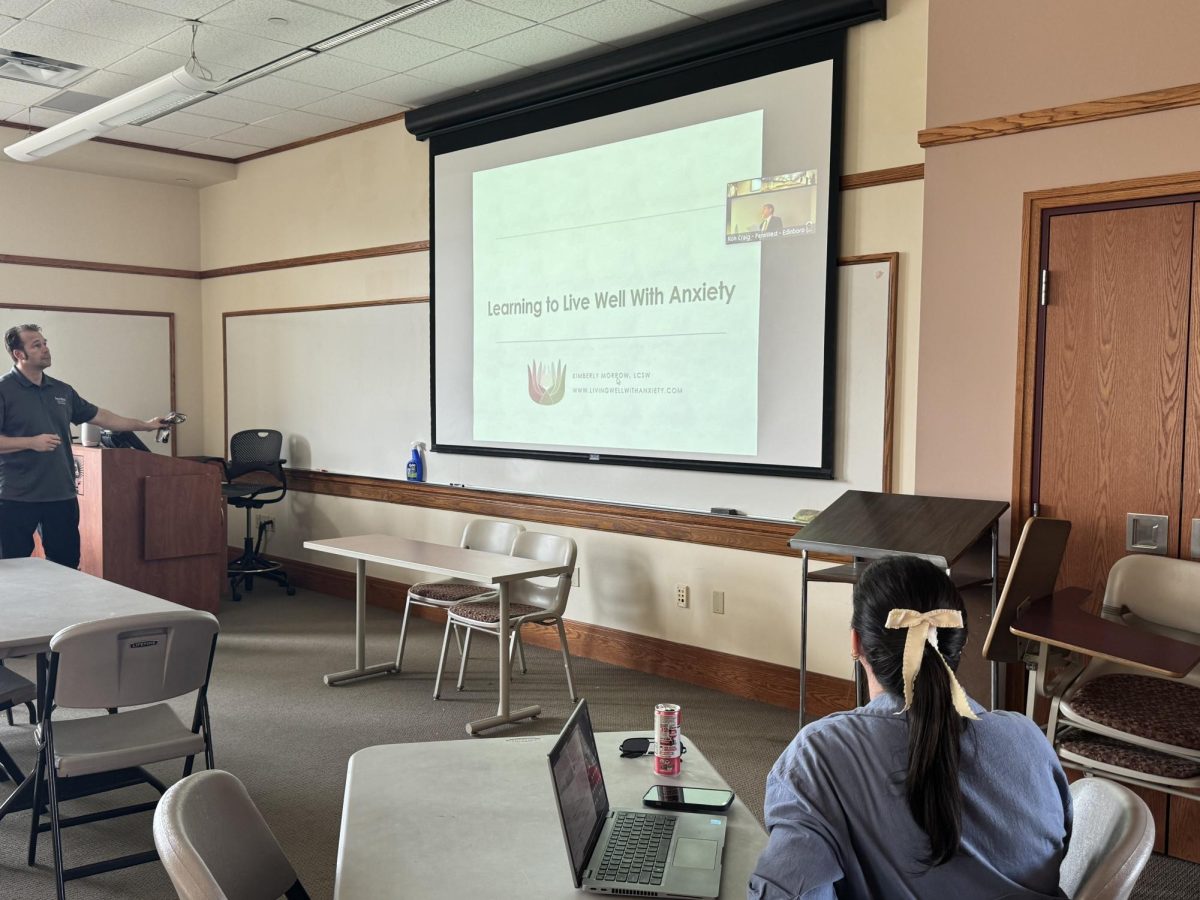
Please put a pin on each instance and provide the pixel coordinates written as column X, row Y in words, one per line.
column 632, row 852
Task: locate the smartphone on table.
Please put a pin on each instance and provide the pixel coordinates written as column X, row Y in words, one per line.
column 688, row 799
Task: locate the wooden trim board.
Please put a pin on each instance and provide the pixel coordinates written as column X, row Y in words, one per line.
column 738, row 676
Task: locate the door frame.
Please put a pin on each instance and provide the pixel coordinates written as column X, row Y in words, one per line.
column 1039, row 208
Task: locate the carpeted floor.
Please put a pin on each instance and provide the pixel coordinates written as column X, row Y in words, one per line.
column 288, row 736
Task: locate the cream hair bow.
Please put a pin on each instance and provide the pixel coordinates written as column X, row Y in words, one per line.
column 923, row 627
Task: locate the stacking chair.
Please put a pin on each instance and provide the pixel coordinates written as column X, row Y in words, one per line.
column 215, row 844
column 534, row 601
column 1031, row 576
column 14, row 691
column 487, row 535
column 1111, row 839
column 1126, row 723
column 131, row 664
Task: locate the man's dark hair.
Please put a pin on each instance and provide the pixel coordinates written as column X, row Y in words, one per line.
column 12, row 337
column 770, row 206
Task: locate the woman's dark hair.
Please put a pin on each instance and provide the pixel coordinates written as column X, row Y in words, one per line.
column 934, row 726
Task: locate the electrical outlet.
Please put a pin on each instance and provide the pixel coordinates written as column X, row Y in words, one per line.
column 718, row 602
column 575, row 577
column 682, row 596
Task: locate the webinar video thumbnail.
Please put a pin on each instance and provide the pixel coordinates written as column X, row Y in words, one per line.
column 773, row 206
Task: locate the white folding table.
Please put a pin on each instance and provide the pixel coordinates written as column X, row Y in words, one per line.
column 477, row 819
column 439, row 559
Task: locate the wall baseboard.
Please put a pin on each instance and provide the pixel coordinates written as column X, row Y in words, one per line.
column 740, row 676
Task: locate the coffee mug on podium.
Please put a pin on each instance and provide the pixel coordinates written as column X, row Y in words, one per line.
column 89, row 434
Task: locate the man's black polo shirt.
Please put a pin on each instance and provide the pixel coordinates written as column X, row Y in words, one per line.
column 27, row 410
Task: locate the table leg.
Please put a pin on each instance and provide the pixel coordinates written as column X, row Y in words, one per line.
column 503, row 715
column 803, row 631
column 361, row 669
column 997, row 700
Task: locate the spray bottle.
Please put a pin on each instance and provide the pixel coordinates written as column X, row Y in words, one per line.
column 415, row 470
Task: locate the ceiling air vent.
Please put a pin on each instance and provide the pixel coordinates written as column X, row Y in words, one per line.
column 32, row 69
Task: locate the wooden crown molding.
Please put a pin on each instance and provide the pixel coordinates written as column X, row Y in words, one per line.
column 740, row 676
column 1058, row 116
column 877, row 177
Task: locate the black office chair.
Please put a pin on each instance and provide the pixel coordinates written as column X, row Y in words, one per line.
column 254, row 451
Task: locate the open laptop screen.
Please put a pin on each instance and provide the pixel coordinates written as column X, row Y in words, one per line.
column 579, row 787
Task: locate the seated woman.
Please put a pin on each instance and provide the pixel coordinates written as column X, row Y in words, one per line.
column 920, row 793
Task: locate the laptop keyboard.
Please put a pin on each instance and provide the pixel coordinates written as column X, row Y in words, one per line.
column 637, row 848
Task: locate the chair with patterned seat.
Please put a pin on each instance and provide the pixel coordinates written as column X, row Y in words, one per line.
column 1129, row 724
column 488, row 535
column 532, row 601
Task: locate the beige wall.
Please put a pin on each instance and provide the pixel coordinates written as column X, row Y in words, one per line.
column 973, row 207
column 371, row 188
column 63, row 214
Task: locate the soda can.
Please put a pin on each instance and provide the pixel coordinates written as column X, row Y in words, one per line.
column 667, row 748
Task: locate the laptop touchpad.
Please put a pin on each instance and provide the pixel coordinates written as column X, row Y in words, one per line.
column 693, row 854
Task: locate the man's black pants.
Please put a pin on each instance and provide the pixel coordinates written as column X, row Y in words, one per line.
column 60, row 529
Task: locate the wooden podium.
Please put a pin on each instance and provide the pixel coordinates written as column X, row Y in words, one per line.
column 152, row 523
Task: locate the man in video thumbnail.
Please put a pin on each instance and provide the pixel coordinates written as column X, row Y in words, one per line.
column 770, row 221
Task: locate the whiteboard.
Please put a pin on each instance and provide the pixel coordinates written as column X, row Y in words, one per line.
column 120, row 360
column 349, row 388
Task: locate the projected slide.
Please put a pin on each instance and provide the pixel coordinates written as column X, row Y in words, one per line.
column 607, row 302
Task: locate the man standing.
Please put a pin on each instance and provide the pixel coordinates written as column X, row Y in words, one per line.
column 770, row 221
column 37, row 468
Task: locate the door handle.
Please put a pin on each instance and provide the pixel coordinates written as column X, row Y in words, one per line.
column 1147, row 533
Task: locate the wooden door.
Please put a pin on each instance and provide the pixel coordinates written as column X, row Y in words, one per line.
column 1114, row 379
column 1191, row 439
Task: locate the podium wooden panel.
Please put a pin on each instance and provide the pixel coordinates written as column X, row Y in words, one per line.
column 152, row 523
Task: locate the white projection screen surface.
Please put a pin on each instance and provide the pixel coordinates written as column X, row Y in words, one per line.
column 652, row 286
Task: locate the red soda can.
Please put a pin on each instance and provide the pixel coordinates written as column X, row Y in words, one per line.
column 667, row 748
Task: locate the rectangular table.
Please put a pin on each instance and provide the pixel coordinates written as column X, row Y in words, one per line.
column 38, row 599
column 439, row 559
column 477, row 819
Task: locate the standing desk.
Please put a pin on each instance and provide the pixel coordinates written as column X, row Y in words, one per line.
column 477, row 819
column 455, row 562
column 959, row 536
column 38, row 599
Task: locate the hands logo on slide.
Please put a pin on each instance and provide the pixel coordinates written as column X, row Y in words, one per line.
column 547, row 394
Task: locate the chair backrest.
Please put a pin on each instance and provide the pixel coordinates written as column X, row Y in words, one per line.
column 1034, row 569
column 1111, row 840
column 1156, row 589
column 490, row 536
column 132, row 660
column 548, row 593
column 255, row 449
column 215, row 844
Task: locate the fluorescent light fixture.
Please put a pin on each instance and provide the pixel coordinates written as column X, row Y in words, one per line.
column 180, row 89
column 150, row 99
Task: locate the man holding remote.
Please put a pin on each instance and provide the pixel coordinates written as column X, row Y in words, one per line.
column 37, row 468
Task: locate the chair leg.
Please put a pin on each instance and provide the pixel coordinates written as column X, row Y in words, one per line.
column 437, row 681
column 566, row 654
column 35, row 813
column 403, row 634
column 55, row 825
column 521, row 653
column 462, row 661
column 8, row 714
column 9, row 767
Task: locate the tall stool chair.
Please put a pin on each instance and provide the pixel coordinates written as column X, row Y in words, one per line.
column 254, row 452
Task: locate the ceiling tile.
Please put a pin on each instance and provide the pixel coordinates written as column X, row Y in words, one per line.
column 354, row 108
column 147, row 64
column 623, row 21
column 8, row 110
column 19, row 8
column 190, row 123
column 392, row 50
column 258, row 136
column 540, row 10
column 405, row 90
column 182, row 9
column 6, row 23
column 333, row 72
column 466, row 68
column 44, row 118
column 712, row 9
column 24, row 94
column 296, row 124
column 224, row 47
column 358, row 9
column 69, row 46
column 137, row 134
column 228, row 149
column 540, row 44
column 462, row 23
column 235, row 109
column 107, row 19
column 107, row 84
column 303, row 26
column 281, row 92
